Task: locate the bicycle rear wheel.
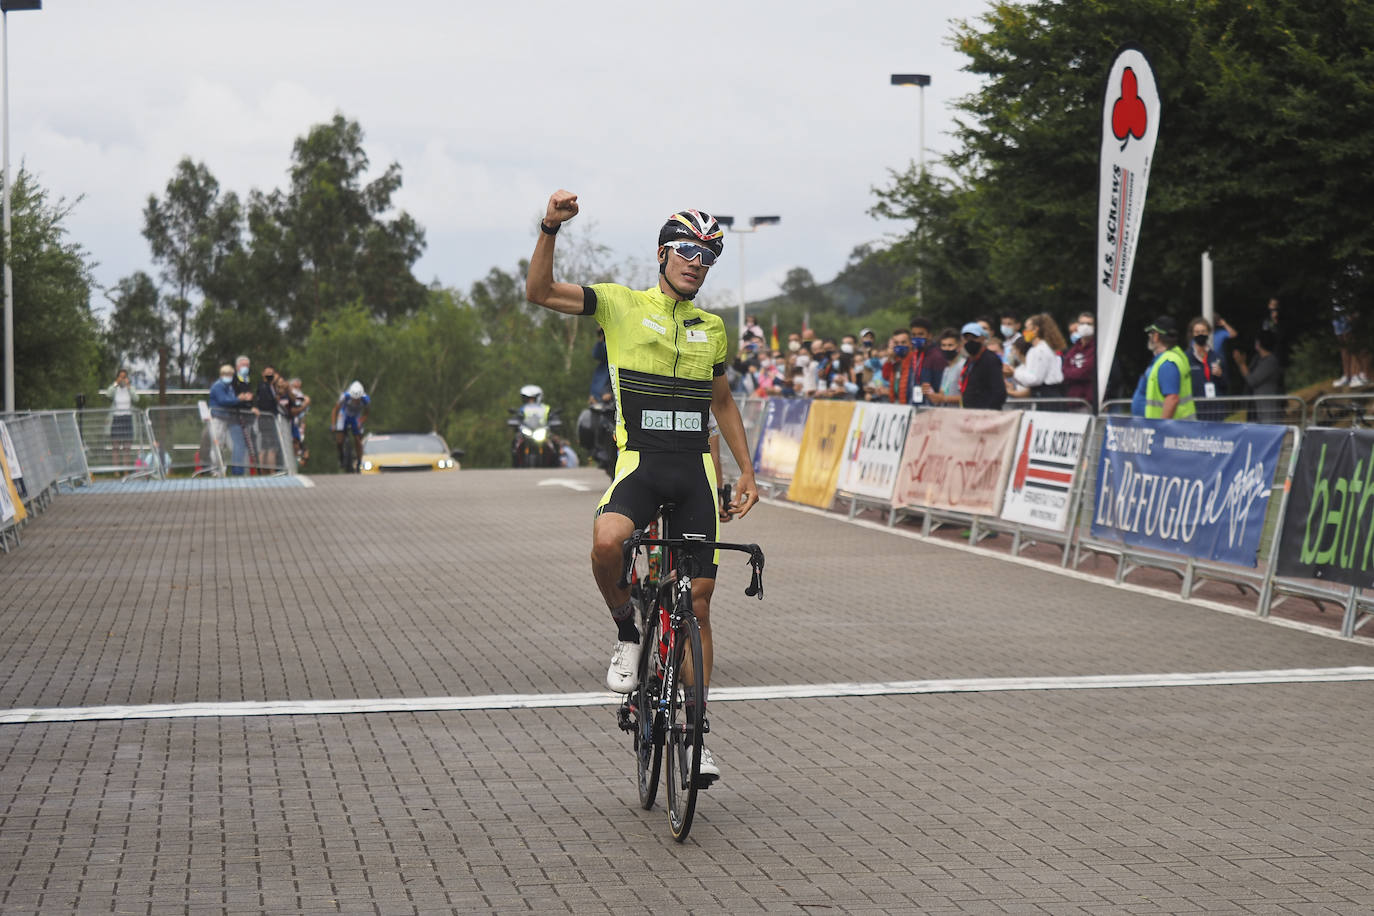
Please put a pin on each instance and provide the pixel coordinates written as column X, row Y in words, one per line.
column 682, row 731
column 648, row 733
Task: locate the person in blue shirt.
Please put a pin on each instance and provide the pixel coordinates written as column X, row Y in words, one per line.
column 226, row 406
column 1165, row 391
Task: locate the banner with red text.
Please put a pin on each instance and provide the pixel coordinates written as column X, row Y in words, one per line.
column 873, row 449
column 1048, row 450
column 957, row 459
column 1130, row 124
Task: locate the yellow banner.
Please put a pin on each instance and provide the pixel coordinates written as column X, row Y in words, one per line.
column 11, row 506
column 822, row 449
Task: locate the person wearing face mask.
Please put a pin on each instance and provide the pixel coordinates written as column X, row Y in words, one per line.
column 1205, row 368
column 1080, row 362
column 793, row 343
column 929, row 361
column 980, row 380
column 224, row 424
column 899, row 371
column 952, row 355
column 1165, row 391
column 1041, row 372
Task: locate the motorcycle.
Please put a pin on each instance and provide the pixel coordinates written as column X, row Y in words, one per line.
column 596, row 433
column 533, row 445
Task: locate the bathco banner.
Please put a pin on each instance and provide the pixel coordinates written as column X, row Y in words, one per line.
column 1197, row 489
column 1328, row 530
column 1130, row 124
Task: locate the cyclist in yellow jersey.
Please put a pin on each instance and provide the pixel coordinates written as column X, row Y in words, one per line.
column 667, row 361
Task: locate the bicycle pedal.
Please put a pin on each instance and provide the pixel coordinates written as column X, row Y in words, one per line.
column 705, row 782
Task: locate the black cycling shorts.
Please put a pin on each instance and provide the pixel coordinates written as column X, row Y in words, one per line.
column 644, row 481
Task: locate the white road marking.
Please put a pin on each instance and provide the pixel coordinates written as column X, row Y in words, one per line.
column 720, row 694
column 564, row 482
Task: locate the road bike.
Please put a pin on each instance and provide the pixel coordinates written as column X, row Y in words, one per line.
column 666, row 712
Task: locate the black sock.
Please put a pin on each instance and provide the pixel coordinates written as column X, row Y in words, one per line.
column 624, row 617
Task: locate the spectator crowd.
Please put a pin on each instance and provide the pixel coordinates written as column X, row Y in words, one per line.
column 991, row 359
column 980, row 364
column 243, row 417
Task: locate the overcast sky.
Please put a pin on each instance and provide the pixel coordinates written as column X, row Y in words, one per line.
column 743, row 108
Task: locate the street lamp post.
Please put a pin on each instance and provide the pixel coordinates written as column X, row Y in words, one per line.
column 5, row 7
column 920, row 81
column 754, row 223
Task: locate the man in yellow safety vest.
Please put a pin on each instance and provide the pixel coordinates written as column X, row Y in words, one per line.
column 1165, row 391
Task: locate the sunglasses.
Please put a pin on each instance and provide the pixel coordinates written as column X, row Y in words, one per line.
column 690, row 251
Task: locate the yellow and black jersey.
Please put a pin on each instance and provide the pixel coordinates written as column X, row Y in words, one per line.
column 663, row 356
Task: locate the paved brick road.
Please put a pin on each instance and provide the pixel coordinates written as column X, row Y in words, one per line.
column 1250, row 799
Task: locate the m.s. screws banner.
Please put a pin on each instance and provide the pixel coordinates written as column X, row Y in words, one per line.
column 1130, row 125
column 1328, row 530
column 1180, row 486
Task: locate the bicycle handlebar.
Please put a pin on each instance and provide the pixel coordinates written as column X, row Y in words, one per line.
column 631, row 546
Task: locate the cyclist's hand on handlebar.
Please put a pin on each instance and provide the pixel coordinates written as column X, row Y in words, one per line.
column 746, row 495
column 562, row 207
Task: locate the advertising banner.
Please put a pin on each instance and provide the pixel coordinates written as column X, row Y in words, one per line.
column 873, row 449
column 818, row 465
column 956, row 459
column 1130, row 124
column 11, row 456
column 780, row 437
column 1048, row 450
column 1186, row 487
column 11, row 507
column 1328, row 530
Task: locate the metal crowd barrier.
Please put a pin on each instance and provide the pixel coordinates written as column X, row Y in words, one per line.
column 1064, row 405
column 751, row 412
column 190, row 441
column 1344, row 410
column 1190, row 570
column 1274, row 409
column 234, row 442
column 119, row 442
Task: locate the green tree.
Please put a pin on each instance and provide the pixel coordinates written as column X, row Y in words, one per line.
column 138, row 327
column 193, row 233
column 1263, row 127
column 325, row 241
column 58, row 345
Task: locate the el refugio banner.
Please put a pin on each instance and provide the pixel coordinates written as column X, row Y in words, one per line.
column 1328, row 530
column 1186, row 487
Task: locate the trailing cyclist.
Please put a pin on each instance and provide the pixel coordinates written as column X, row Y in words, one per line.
column 350, row 418
column 667, row 364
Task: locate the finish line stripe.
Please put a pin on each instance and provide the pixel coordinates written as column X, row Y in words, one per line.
column 722, row 694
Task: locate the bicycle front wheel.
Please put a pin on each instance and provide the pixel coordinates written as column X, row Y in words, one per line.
column 649, row 729
column 682, row 731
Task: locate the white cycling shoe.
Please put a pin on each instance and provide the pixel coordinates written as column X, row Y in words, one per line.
column 623, row 675
column 709, row 771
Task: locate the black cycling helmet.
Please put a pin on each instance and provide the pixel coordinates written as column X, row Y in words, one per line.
column 694, row 226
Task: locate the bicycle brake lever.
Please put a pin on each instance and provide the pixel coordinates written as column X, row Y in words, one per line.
column 628, row 548
column 755, row 588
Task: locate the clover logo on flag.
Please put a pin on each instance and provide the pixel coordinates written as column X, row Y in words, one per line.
column 1129, row 118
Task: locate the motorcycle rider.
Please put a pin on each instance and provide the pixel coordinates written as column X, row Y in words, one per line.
column 532, row 414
